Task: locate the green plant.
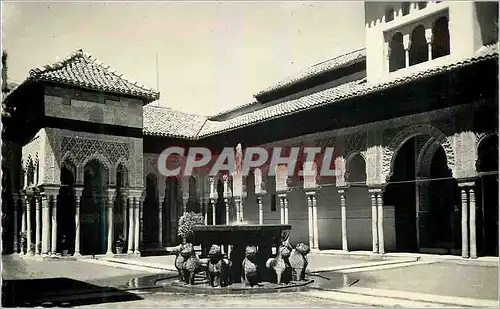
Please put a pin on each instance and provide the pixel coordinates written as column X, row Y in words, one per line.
column 187, row 221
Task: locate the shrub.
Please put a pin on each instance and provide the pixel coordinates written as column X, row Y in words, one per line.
column 187, row 221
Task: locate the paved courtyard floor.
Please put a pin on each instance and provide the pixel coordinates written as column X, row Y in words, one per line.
column 281, row 300
column 435, row 278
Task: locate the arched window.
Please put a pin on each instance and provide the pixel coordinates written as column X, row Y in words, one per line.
column 440, row 38
column 121, row 176
column 396, row 53
column 356, row 170
column 389, row 14
column 422, row 5
column 405, row 8
column 418, row 48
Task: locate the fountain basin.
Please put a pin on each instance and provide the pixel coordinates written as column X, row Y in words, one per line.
column 263, row 236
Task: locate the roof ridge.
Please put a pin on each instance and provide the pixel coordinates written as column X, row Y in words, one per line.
column 336, row 57
column 112, row 71
column 58, row 64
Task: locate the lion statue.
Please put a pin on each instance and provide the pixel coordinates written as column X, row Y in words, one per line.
column 179, row 260
column 219, row 268
column 281, row 265
column 249, row 267
column 298, row 261
column 191, row 265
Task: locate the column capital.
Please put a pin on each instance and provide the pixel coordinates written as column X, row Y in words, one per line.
column 376, row 189
column 311, row 192
column 466, row 183
column 45, row 190
column 281, row 194
column 137, row 193
column 342, row 189
column 78, row 190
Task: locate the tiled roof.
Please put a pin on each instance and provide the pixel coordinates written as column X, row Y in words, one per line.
column 164, row 121
column 174, row 123
column 228, row 111
column 328, row 65
column 345, row 91
column 83, row 70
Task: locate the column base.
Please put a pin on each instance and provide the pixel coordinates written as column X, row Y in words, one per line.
column 136, row 252
column 77, row 254
column 130, row 251
column 110, row 254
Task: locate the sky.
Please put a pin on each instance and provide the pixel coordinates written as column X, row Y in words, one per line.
column 212, row 56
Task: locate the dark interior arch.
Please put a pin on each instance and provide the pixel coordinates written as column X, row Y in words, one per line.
column 396, row 52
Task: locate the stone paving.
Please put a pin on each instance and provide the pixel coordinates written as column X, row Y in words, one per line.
column 281, row 300
column 437, row 278
column 18, row 268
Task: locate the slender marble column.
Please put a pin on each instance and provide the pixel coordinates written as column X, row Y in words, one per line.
column 78, row 199
column 137, row 226
column 160, row 221
column 131, row 223
column 38, row 227
column 261, row 209
column 23, row 217
column 472, row 223
column 282, row 208
column 28, row 225
column 380, row 206
column 212, row 204
column 53, row 246
column 46, row 222
column 465, row 232
column 124, row 200
column 374, row 223
column 428, row 39
column 205, row 202
column 237, row 203
column 310, row 217
column 285, row 203
column 141, row 220
column 343, row 213
column 226, row 202
column 16, row 229
column 315, row 221
column 111, row 200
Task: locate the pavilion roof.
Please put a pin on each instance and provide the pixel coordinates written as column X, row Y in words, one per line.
column 83, row 70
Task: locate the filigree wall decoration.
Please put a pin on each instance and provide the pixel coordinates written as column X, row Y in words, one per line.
column 30, row 152
column 82, row 148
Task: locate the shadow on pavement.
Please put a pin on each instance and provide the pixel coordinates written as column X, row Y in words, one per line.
column 59, row 292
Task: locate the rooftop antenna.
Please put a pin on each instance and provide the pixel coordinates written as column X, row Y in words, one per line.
column 157, row 76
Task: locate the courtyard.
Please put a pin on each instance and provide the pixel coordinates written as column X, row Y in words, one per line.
column 338, row 282
column 95, row 194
